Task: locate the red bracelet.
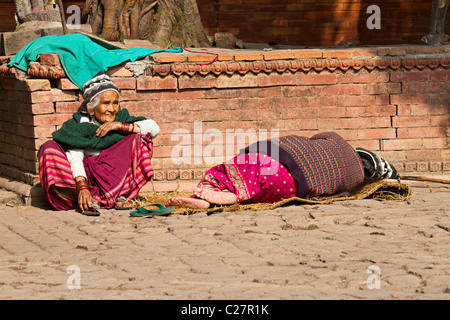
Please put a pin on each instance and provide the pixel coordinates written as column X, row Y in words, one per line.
column 123, row 128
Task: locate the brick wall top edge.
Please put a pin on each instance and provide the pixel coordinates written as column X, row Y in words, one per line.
column 299, row 54
column 410, row 56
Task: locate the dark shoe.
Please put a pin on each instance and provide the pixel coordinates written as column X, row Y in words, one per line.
column 376, row 167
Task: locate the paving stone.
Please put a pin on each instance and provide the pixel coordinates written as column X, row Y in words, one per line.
column 294, row 252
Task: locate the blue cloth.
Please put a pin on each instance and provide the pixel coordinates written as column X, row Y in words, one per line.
column 81, row 57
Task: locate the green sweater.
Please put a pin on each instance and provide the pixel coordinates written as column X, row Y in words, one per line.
column 76, row 135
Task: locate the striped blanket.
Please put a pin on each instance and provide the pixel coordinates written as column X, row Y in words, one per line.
column 323, row 166
column 329, row 164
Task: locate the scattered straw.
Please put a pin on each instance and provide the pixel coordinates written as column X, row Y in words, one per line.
column 378, row 190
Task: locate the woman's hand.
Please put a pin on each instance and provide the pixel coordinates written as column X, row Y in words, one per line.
column 85, row 200
column 107, row 127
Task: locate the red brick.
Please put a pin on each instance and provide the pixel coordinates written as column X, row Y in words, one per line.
column 440, row 121
column 435, row 166
column 278, row 55
column 41, row 97
column 308, row 54
column 42, row 108
column 412, row 121
column 125, row 83
column 237, row 81
column 44, row 131
column 410, row 166
column 421, row 132
column 49, row 59
column 317, row 79
column 423, row 155
column 373, row 111
column 37, row 85
column 157, row 83
column 435, row 143
column 67, row 107
column 397, row 52
column 364, row 52
column 165, row 186
column 119, row 71
column 354, row 123
column 410, row 76
column 361, row 100
column 361, row 77
column 200, row 57
column 428, row 49
column 247, row 55
column 51, row 119
column 337, row 54
column 379, row 133
column 265, row 80
column 401, row 144
column 410, row 98
column 65, row 84
column 186, row 82
column 166, row 57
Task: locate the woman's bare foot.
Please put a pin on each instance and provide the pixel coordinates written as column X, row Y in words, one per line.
column 193, row 203
column 216, row 197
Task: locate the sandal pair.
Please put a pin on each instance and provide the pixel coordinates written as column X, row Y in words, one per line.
column 161, row 211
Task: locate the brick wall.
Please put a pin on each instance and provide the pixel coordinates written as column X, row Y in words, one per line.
column 392, row 100
column 317, row 22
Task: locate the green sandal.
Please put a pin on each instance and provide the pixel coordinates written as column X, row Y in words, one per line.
column 161, row 211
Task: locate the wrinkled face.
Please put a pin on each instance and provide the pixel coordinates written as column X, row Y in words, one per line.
column 107, row 108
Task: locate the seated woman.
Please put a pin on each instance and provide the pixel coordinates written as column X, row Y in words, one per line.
column 99, row 158
column 314, row 168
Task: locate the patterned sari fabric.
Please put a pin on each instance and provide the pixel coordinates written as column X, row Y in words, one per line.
column 252, row 177
column 120, row 170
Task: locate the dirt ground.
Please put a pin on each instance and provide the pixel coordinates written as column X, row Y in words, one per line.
column 360, row 249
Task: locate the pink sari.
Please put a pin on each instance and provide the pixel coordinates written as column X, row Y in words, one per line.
column 120, row 170
column 252, row 177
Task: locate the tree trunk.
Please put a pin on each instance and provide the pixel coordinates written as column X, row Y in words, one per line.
column 436, row 33
column 109, row 29
column 165, row 23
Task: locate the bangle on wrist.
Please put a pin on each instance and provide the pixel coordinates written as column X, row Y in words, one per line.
column 83, row 185
column 83, row 188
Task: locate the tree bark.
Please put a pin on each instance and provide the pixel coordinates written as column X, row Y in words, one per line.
column 165, row 23
column 436, row 34
column 110, row 13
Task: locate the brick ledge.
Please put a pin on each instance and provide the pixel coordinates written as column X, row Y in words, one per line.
column 256, row 61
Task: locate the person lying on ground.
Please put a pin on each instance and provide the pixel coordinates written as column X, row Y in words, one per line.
column 319, row 167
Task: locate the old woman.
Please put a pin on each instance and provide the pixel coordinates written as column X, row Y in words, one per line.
column 99, row 158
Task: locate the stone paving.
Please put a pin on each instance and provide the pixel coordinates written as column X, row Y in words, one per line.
column 363, row 249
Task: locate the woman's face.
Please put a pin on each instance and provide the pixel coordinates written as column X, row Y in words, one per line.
column 107, row 108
